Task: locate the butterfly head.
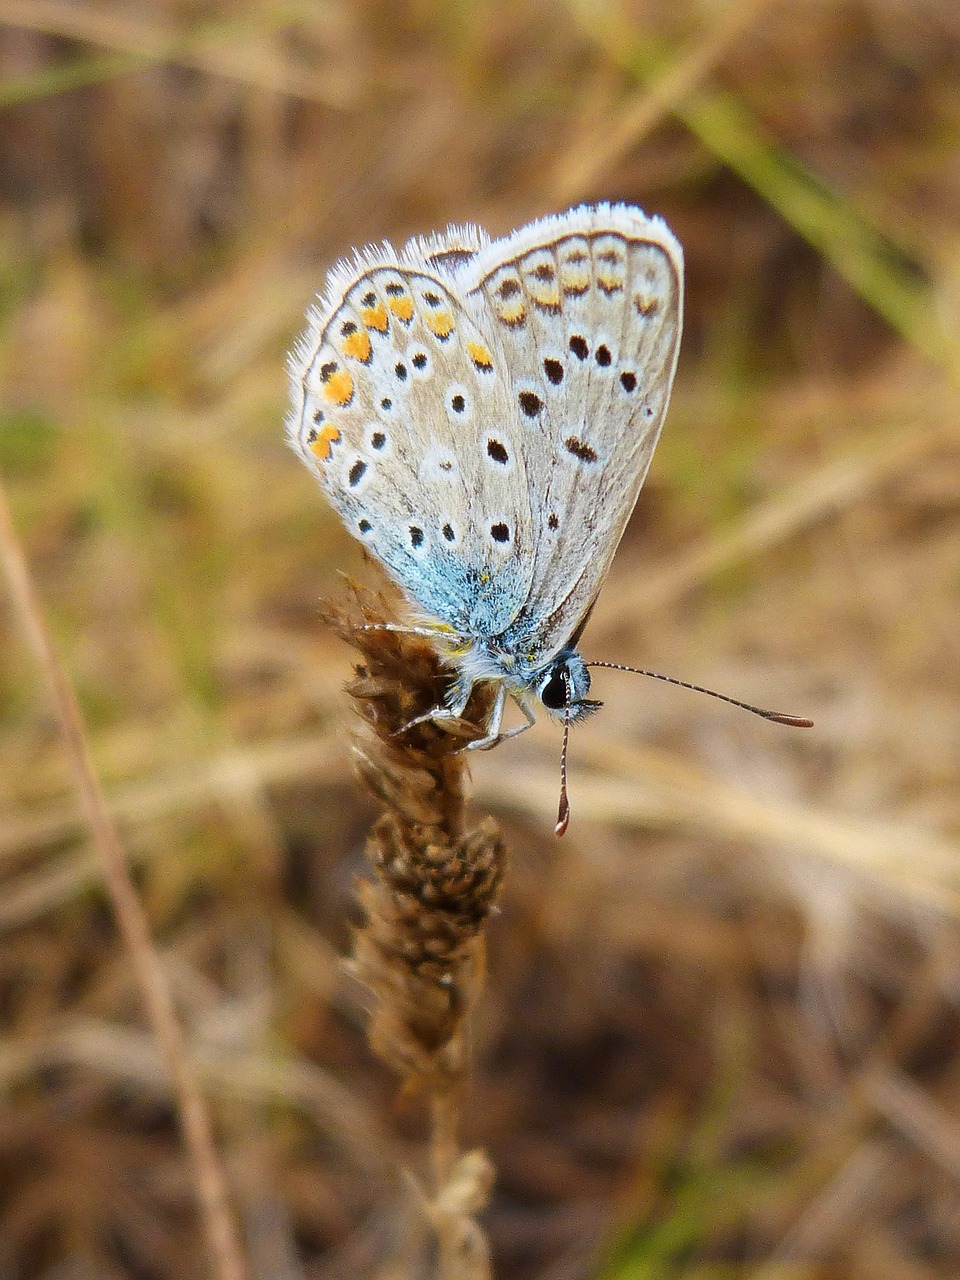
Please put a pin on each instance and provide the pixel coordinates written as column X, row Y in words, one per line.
column 563, row 685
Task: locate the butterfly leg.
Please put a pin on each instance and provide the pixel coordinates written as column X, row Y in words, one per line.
column 494, row 733
column 452, row 709
column 456, row 705
column 428, row 633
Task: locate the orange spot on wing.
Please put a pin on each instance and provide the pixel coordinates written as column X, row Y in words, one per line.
column 357, row 345
column 574, row 280
column 512, row 312
column 375, row 317
column 320, row 445
column 339, row 387
column 402, row 308
column 440, row 323
column 480, row 356
column 548, row 296
column 608, row 282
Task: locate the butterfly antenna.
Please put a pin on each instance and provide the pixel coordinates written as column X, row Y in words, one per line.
column 563, row 813
column 780, row 717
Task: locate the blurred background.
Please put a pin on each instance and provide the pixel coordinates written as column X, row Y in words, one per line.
column 719, row 1037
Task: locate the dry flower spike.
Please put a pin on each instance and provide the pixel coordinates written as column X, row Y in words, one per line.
column 420, row 946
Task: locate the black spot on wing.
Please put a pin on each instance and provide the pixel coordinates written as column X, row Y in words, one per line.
column 583, row 452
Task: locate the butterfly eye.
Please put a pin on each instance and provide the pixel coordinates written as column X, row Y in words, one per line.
column 555, row 690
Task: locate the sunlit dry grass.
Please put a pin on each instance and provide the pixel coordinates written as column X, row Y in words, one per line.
column 718, row 1035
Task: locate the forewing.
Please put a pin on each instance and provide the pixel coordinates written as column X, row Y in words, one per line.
column 402, row 407
column 587, row 309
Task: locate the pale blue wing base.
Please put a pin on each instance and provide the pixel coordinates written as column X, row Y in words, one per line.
column 401, row 407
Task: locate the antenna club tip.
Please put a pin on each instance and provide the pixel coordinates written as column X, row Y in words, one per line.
column 563, row 820
column 795, row 722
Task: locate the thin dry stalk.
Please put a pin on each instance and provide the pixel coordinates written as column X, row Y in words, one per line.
column 420, row 948
column 223, row 1238
column 582, row 167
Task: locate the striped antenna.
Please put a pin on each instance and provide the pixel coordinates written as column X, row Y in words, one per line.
column 780, row 717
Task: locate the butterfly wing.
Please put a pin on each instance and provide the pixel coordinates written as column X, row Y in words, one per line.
column 586, row 307
column 402, row 406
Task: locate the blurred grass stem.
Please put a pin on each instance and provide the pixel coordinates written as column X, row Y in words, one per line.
column 879, row 269
column 226, row 1256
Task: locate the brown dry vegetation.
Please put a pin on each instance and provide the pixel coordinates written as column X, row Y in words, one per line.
column 719, row 1033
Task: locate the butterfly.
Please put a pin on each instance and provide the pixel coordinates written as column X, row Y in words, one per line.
column 482, row 415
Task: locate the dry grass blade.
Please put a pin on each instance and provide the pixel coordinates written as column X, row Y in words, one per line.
column 917, row 1116
column 585, row 163
column 227, row 1262
column 230, row 49
column 648, row 788
column 872, row 262
column 129, row 1057
column 833, row 485
column 180, row 790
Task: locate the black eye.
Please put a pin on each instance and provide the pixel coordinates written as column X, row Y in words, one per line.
column 555, row 693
